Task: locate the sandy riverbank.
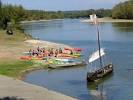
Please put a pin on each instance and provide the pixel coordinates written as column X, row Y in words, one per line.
column 15, row 88
column 46, row 44
column 33, row 21
column 108, row 20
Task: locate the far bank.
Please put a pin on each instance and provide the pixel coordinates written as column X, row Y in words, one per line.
column 109, row 20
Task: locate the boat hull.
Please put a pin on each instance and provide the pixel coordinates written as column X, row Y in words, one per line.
column 54, row 66
column 100, row 73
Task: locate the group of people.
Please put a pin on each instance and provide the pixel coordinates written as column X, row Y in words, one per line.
column 43, row 52
column 46, row 53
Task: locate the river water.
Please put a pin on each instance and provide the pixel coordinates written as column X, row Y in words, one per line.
column 116, row 38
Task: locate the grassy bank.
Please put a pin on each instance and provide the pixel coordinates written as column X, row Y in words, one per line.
column 11, row 48
column 14, row 68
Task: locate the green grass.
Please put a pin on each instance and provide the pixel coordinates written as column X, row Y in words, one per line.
column 14, row 69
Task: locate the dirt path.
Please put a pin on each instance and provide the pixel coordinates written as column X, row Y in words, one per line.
column 15, row 88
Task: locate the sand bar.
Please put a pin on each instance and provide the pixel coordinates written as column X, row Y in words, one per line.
column 42, row 43
column 34, row 21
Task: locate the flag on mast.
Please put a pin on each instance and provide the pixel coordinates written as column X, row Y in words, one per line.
column 93, row 19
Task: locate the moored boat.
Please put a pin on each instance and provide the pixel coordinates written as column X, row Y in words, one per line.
column 67, row 64
column 104, row 70
column 100, row 73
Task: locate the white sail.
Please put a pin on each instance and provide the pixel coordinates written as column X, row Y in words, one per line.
column 93, row 19
column 95, row 55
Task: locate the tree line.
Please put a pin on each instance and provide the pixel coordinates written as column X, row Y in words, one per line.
column 123, row 10
column 85, row 13
column 15, row 14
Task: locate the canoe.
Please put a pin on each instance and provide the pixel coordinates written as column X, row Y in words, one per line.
column 25, row 57
column 63, row 59
column 36, row 58
column 54, row 66
column 27, row 53
column 68, row 55
column 75, row 49
column 30, row 58
column 77, row 54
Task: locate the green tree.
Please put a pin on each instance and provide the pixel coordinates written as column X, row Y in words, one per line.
column 123, row 10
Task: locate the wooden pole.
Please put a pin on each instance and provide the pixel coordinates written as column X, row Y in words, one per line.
column 99, row 45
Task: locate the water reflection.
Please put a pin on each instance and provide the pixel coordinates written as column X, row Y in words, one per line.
column 42, row 25
column 123, row 27
column 96, row 89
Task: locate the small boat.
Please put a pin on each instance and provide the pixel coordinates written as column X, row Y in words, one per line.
column 69, row 55
column 103, row 70
column 57, row 63
column 25, row 57
column 64, row 60
column 74, row 49
column 27, row 53
column 31, row 58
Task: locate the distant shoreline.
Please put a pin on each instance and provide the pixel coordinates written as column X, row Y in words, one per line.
column 33, row 21
column 102, row 20
column 109, row 20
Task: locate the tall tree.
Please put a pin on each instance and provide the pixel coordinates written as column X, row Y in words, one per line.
column 0, row 4
column 0, row 13
column 123, row 10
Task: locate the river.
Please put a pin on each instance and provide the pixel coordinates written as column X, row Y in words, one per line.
column 116, row 38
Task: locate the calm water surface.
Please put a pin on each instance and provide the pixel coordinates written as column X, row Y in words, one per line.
column 117, row 39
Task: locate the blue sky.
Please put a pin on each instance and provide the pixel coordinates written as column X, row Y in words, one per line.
column 62, row 5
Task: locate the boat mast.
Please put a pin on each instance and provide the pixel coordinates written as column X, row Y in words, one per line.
column 94, row 20
column 99, row 45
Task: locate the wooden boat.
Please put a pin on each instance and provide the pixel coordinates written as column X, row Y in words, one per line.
column 100, row 73
column 103, row 70
column 68, row 64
